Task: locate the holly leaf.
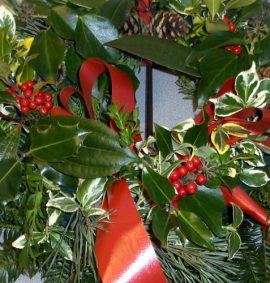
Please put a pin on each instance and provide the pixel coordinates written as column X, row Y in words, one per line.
column 234, row 243
column 73, row 64
column 253, row 177
column 164, row 140
column 49, row 50
column 158, row 187
column 194, row 228
column 117, row 11
column 208, row 205
column 235, row 130
column 7, row 98
column 219, row 139
column 10, row 179
column 213, row 6
column 161, row 222
column 64, row 21
column 256, row 158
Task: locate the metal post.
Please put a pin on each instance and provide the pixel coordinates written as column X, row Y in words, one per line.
column 149, row 102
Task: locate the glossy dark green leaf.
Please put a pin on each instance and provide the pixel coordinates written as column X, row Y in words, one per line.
column 262, row 50
column 59, row 178
column 229, row 182
column 54, row 143
column 73, row 64
column 161, row 222
column 234, row 243
column 168, row 54
column 164, row 140
column 219, row 39
column 91, row 33
column 49, row 49
column 7, row 98
column 88, row 4
column 10, row 179
column 158, row 187
column 234, row 4
column 208, row 205
column 198, row 135
column 117, row 11
column 64, row 21
column 226, row 65
column 194, row 228
column 213, row 6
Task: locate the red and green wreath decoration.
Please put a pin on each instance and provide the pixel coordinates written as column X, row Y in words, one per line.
column 83, row 198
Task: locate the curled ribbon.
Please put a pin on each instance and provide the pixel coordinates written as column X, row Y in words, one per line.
column 123, row 251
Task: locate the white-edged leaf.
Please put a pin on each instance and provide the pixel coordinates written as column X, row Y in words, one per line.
column 64, row 204
column 234, row 243
column 238, row 216
column 54, row 215
column 59, row 244
column 253, row 177
column 184, row 125
column 36, row 238
column 7, row 20
column 256, row 156
column 227, row 104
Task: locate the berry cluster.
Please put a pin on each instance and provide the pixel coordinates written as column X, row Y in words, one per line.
column 187, row 177
column 40, row 102
column 236, row 49
column 232, row 27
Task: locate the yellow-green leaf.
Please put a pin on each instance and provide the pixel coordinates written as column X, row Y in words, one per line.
column 219, row 138
column 236, row 130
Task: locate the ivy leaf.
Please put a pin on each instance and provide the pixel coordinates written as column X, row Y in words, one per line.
column 54, row 143
column 168, row 54
column 219, row 138
column 164, row 140
column 10, row 179
column 158, row 187
column 161, row 223
column 88, row 34
column 213, row 6
column 49, row 49
column 208, row 205
column 194, row 229
column 253, row 177
column 235, row 130
column 117, row 11
column 64, row 21
column 60, row 245
column 65, row 204
column 238, row 216
column 234, row 243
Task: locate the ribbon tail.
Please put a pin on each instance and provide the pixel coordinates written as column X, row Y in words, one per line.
column 239, row 197
column 124, row 251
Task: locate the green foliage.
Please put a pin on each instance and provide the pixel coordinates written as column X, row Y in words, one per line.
column 163, row 140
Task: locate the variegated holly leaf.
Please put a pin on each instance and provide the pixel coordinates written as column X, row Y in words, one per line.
column 219, row 138
column 65, row 204
column 250, row 92
column 253, row 177
column 235, row 130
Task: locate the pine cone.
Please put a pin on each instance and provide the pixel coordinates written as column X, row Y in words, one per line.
column 169, row 25
column 264, row 73
column 133, row 25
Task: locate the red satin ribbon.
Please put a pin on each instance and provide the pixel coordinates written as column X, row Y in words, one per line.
column 124, row 251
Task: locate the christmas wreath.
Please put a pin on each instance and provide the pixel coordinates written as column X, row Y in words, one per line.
column 82, row 197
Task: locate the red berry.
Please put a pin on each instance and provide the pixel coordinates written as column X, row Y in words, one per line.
column 182, row 171
column 191, row 188
column 38, row 100
column 177, row 185
column 30, row 84
column 185, row 158
column 18, row 99
column 182, row 192
column 226, row 20
column 174, row 201
column 229, row 48
column 190, row 165
column 40, row 93
column 28, row 93
column 196, row 160
column 47, row 96
column 32, row 105
column 24, row 102
column 43, row 110
column 11, row 90
column 48, row 105
column 174, row 176
column 237, row 50
column 24, row 87
column 201, row 179
column 232, row 27
column 24, row 109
